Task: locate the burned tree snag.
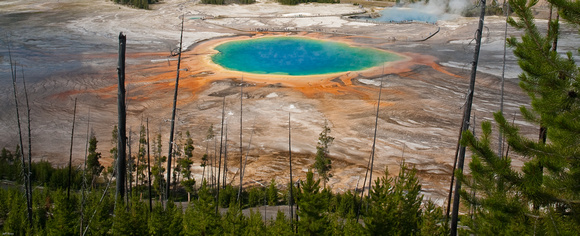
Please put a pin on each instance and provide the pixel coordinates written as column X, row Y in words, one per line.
column 71, row 148
column 122, row 119
column 241, row 122
column 291, row 200
column 25, row 174
column 217, row 198
column 173, row 115
column 149, row 168
column 467, row 115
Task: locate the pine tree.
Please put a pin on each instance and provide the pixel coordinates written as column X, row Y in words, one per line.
column 93, row 165
column 347, row 204
column 499, row 209
column 255, row 196
column 122, row 222
column 185, row 166
column 395, row 204
column 228, row 196
column 233, row 222
column 544, row 195
column 272, row 193
column 433, row 220
column 166, row 221
column 313, row 220
column 157, row 169
column 407, row 189
column 99, row 220
column 174, row 219
column 323, row 164
column 255, row 224
column 200, row 217
column 188, row 148
column 9, row 165
column 65, row 217
column 16, row 221
column 141, row 156
column 113, row 151
column 381, row 216
column 157, row 219
column 280, row 226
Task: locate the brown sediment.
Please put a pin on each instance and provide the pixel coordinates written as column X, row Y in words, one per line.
column 200, row 72
column 327, row 94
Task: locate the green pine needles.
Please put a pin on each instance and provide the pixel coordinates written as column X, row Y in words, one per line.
column 395, row 207
column 543, row 197
column 323, row 164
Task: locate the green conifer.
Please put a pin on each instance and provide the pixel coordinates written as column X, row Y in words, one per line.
column 272, row 193
column 312, row 217
column 323, row 164
column 280, row 226
column 544, row 195
column 200, row 217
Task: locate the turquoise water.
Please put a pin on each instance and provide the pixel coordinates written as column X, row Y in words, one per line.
column 395, row 14
column 297, row 56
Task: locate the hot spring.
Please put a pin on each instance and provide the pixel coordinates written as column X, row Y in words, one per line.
column 397, row 14
column 297, row 56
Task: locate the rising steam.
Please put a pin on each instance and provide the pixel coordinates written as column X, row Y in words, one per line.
column 426, row 12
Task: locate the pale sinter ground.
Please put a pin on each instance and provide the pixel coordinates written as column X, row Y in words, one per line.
column 68, row 49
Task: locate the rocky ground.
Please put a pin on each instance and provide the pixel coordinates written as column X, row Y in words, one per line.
column 68, row 49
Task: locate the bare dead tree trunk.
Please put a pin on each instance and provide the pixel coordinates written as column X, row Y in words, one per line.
column 175, row 172
column 213, row 171
column 85, row 171
column 555, row 42
column 472, row 206
column 374, row 140
column 130, row 176
column 291, row 200
column 220, row 159
column 225, row 159
column 241, row 122
column 450, row 195
column 467, row 115
column 363, row 189
column 297, row 209
column 29, row 138
column 71, row 149
column 500, row 133
column 243, row 171
column 212, row 163
column 149, row 168
column 122, row 120
column 127, row 193
column 507, row 151
column 138, row 156
column 173, row 114
column 205, row 164
column 25, row 174
column 372, row 156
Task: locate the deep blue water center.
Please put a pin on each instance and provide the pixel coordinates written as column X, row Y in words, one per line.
column 297, row 56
